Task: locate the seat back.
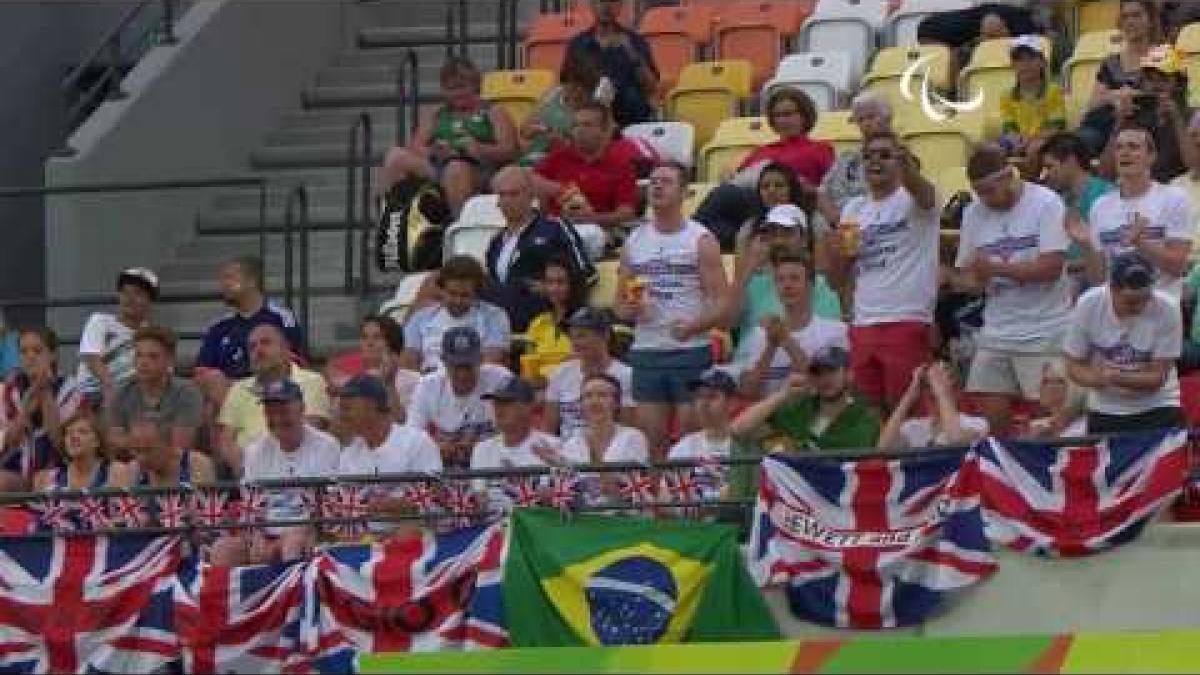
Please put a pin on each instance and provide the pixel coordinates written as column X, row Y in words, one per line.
column 759, row 44
column 604, row 291
column 517, row 91
column 901, row 27
column 548, row 36
column 696, row 193
column 836, row 128
column 675, row 141
column 735, row 139
column 940, row 144
column 824, row 76
column 1093, row 15
column 676, row 35
column 852, row 35
column 707, row 94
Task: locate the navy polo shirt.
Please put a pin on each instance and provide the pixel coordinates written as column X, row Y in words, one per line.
column 225, row 345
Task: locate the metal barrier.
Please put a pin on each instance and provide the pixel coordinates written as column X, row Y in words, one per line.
column 296, row 208
column 358, row 159
column 408, row 97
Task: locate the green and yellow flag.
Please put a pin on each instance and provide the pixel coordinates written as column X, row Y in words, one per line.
column 607, row 580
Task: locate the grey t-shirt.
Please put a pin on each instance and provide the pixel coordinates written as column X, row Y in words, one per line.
column 180, row 405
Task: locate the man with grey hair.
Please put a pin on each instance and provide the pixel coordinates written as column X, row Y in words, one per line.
column 517, row 256
column 872, row 113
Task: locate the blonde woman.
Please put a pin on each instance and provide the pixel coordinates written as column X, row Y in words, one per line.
column 88, row 461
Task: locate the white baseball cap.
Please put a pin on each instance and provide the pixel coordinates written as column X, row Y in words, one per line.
column 787, row 215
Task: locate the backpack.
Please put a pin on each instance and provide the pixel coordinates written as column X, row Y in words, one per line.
column 408, row 237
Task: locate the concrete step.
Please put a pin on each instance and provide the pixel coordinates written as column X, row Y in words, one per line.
column 484, row 55
column 362, row 96
column 382, row 136
column 376, row 72
column 283, row 178
column 245, row 220
column 323, row 194
column 483, row 32
column 307, row 156
column 215, row 249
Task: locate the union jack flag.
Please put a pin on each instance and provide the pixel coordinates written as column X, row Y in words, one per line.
column 868, row 544
column 171, row 511
column 131, row 511
column 253, row 506
column 93, row 511
column 639, row 487
column 461, row 501
column 564, row 488
column 523, row 491
column 87, row 604
column 420, row 593
column 422, row 497
column 1079, row 500
column 683, row 487
column 55, row 514
column 350, row 502
column 209, row 507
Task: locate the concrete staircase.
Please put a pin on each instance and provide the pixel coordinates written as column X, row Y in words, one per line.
column 309, row 148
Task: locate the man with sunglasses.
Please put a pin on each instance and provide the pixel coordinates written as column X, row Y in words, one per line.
column 892, row 266
column 1012, row 248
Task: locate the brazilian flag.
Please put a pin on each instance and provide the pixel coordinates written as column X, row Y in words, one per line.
column 602, row 580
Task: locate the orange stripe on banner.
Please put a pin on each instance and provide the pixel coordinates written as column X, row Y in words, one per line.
column 813, row 654
column 1052, row 660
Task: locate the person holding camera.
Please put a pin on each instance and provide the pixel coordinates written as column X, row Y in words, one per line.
column 933, row 386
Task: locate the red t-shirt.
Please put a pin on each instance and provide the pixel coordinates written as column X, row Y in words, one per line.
column 810, row 159
column 608, row 183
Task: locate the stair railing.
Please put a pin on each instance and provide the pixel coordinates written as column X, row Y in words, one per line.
column 295, row 222
column 358, row 161
column 408, row 93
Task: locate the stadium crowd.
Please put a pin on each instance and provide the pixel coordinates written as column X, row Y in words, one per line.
column 844, row 323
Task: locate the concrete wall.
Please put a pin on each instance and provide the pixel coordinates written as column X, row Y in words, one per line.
column 194, row 109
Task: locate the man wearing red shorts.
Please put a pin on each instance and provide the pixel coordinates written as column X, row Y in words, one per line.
column 892, row 263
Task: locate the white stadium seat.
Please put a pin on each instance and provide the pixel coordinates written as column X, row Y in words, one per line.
column 847, row 26
column 480, row 220
column 672, row 140
column 901, row 29
column 824, row 76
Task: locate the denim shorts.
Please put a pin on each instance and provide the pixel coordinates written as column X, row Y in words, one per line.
column 664, row 376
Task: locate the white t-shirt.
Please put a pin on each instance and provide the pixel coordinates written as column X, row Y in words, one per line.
column 670, row 265
column 1020, row 316
column 405, row 384
column 437, row 411
column 263, row 459
column 565, row 387
column 105, row 336
column 696, row 446
column 897, row 265
column 1099, row 337
column 405, row 450
column 424, row 330
column 627, row 445
column 1169, row 211
column 494, row 454
column 918, row 431
column 817, row 335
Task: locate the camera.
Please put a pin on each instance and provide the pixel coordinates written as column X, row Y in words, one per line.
column 1145, row 110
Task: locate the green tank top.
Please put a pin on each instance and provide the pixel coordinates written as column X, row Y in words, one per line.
column 456, row 128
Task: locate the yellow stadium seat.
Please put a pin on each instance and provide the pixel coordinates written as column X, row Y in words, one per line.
column 1193, row 72
column 696, row 193
column 1188, row 41
column 1079, row 72
column 836, row 128
column 735, row 138
column 1094, row 15
column 708, row 93
column 517, row 91
column 945, row 143
column 604, row 293
column 888, row 68
column 950, row 181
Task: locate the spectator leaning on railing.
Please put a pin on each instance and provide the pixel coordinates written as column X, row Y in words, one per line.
column 934, row 386
column 590, row 330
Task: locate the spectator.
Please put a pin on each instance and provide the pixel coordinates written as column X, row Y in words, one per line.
column 944, row 425
column 785, row 225
column 292, row 448
column 155, row 391
column 224, row 354
column 624, row 57
column 1142, row 214
column 814, row 412
column 887, row 250
column 1119, row 75
column 1065, row 169
column 380, row 446
column 1013, row 249
column 106, row 346
column 1190, row 181
column 1034, row 108
column 1191, row 345
column 871, row 113
column 159, row 463
column 34, row 403
column 673, row 288
column 785, row 341
column 602, row 439
column 380, row 352
column 449, row 403
column 1062, row 405
column 517, row 256
column 87, row 460
column 591, row 181
column 590, row 331
column 10, row 348
column 962, row 30
column 792, row 115
column 554, row 119
column 549, row 344
column 460, row 280
column 1122, row 346
column 243, row 420
column 459, row 143
column 516, row 443
column 713, row 393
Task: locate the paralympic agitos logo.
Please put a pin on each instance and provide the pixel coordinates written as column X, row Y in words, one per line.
column 933, row 104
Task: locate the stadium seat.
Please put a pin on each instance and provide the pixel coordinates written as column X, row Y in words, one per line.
column 824, row 76
column 676, row 36
column 604, row 291
column 1188, row 40
column 990, row 71
column 848, row 26
column 735, row 138
column 549, row 34
column 672, row 140
column 696, row 193
column 517, row 91
column 1079, row 72
column 836, row 128
column 755, row 30
column 401, row 303
column 887, row 70
column 480, row 219
column 942, row 143
column 901, row 28
column 707, row 94
column 1094, row 15
column 950, row 181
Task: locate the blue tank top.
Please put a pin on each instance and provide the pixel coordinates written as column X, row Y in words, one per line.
column 185, row 472
column 99, row 478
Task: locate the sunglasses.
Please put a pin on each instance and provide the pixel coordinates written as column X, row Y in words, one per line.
column 881, row 155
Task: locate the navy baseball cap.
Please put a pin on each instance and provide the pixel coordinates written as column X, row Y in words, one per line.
column 281, row 391
column 515, row 390
column 461, row 347
column 829, row 358
column 1132, row 271
column 714, row 378
column 366, row 386
column 590, row 318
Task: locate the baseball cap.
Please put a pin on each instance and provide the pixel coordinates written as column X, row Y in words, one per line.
column 589, row 317
column 829, row 358
column 366, row 386
column 1132, row 271
column 1031, row 44
column 1163, row 58
column 141, row 277
column 461, row 347
column 515, row 390
column 787, row 215
column 280, row 391
column 714, row 378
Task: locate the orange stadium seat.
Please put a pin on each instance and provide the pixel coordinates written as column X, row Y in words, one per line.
column 755, row 30
column 677, row 35
column 549, row 34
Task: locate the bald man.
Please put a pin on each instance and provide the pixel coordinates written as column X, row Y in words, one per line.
column 516, row 256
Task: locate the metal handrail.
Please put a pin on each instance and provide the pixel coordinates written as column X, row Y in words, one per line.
column 408, row 95
column 358, row 161
column 295, row 220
